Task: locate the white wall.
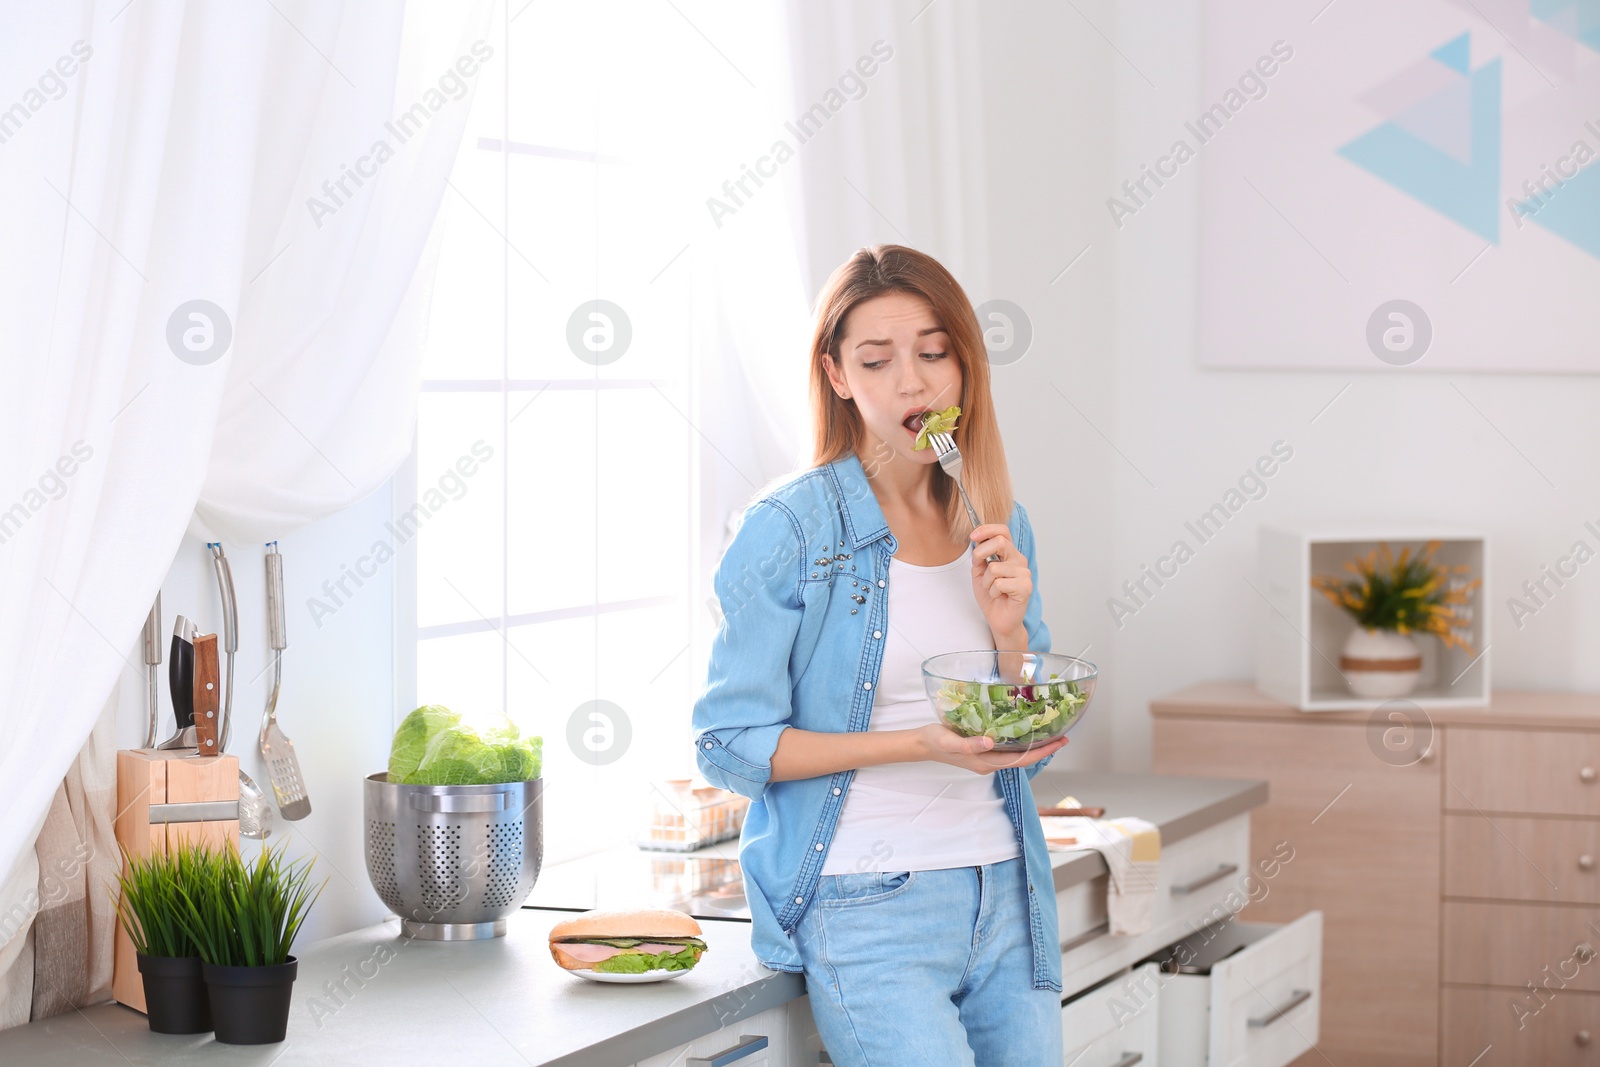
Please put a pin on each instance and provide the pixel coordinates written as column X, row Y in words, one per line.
column 1397, row 445
column 336, row 704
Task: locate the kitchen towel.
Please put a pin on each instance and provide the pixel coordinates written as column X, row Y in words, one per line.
column 1132, row 850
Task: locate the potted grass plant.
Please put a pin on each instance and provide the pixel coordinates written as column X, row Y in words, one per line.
column 151, row 908
column 1391, row 600
column 244, row 918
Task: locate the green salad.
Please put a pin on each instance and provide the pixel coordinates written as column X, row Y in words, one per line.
column 1013, row 715
column 935, row 422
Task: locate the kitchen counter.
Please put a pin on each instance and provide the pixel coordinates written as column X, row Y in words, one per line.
column 371, row 997
column 707, row 884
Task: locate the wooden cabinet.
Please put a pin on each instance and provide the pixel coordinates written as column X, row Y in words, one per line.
column 1450, row 876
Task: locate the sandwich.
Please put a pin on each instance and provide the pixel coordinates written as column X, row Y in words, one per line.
column 630, row 941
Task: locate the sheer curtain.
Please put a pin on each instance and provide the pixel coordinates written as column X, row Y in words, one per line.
column 901, row 161
column 217, row 214
column 879, row 111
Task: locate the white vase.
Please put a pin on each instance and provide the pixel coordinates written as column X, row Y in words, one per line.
column 1380, row 664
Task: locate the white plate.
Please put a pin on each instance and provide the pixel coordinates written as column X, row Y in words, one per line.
column 658, row 975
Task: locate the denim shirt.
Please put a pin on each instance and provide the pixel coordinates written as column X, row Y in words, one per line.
column 803, row 592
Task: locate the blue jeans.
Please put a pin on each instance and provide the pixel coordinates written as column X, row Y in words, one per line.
column 928, row 969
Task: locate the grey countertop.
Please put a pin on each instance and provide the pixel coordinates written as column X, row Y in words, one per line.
column 707, row 884
column 372, row 997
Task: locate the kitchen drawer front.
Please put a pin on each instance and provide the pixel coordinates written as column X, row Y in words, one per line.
column 804, row 1044
column 1115, row 1024
column 1194, row 882
column 743, row 1041
column 1259, row 1007
column 1202, row 877
column 1541, row 772
column 1481, row 1028
column 1522, row 859
column 1513, row 944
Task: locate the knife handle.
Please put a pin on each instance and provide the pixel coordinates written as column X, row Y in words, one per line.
column 207, row 690
column 180, row 680
column 1091, row 813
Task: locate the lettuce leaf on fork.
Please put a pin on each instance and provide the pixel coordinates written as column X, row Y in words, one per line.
column 936, row 422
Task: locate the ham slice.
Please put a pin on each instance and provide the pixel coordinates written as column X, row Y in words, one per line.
column 595, row 953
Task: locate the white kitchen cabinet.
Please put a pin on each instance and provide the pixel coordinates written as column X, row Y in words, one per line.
column 1254, row 1000
column 805, row 1044
column 762, row 1040
column 1115, row 1024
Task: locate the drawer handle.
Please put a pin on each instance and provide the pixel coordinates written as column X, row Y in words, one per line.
column 1587, row 774
column 1581, row 1039
column 1129, row 1059
column 1215, row 876
column 1299, row 998
column 468, row 802
column 1585, row 862
column 747, row 1046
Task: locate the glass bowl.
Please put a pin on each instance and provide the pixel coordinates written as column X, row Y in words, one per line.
column 1020, row 699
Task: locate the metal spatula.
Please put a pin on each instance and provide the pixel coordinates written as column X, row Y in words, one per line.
column 282, row 764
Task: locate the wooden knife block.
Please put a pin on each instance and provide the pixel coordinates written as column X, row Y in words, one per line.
column 149, row 776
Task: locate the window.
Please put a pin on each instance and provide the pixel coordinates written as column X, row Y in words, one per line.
column 557, row 447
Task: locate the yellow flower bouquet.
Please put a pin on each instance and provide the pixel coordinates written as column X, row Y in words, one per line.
column 1411, row 594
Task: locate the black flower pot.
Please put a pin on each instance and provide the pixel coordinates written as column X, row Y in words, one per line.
column 250, row 1005
column 175, row 998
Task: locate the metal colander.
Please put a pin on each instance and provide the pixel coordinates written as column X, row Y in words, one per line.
column 453, row 861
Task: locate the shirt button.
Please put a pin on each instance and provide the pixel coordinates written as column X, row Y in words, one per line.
column 819, row 846
column 799, row 900
column 877, row 633
column 836, row 790
column 882, row 583
column 866, row 685
column 708, row 744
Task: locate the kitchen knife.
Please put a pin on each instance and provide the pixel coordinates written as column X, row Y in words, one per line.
column 205, row 700
column 180, row 673
column 152, row 660
column 1092, row 813
column 180, row 680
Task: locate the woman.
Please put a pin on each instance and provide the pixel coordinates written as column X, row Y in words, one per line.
column 899, row 866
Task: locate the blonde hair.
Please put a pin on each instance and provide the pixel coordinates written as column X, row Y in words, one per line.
column 872, row 272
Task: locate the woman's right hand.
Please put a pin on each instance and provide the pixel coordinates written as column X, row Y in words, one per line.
column 939, row 742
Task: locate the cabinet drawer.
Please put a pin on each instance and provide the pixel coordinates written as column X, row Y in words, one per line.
column 1200, row 880
column 1260, row 1003
column 1114, row 1024
column 1541, row 772
column 759, row 1041
column 1481, row 1028
column 1522, row 859
column 1513, row 944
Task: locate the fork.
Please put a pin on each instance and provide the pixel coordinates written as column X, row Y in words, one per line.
column 950, row 460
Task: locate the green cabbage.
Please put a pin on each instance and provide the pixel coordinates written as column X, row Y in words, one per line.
column 433, row 747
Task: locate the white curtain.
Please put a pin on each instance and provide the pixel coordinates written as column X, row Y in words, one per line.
column 282, row 163
column 903, row 162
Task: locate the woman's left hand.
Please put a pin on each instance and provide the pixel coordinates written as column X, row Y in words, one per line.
column 1001, row 588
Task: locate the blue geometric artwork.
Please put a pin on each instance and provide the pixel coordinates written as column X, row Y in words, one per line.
column 1578, row 19
column 1440, row 144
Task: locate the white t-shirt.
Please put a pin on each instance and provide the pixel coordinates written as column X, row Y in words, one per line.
column 922, row 815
